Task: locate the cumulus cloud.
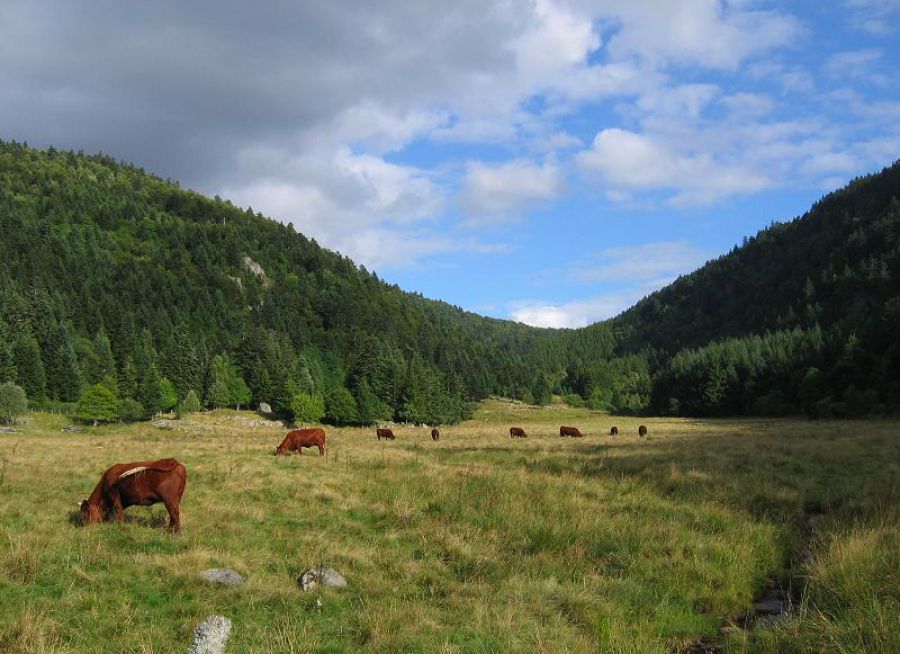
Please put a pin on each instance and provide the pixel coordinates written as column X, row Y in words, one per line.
column 497, row 193
column 630, row 161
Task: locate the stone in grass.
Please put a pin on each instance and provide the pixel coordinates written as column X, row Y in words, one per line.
column 321, row 576
column 72, row 429
column 222, row 576
column 211, row 636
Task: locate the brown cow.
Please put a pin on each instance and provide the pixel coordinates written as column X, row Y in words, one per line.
column 140, row 483
column 569, row 431
column 300, row 438
column 614, row 431
column 384, row 432
column 642, row 431
column 435, row 434
column 517, row 432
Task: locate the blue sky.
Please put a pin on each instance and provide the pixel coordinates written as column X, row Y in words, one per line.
column 546, row 161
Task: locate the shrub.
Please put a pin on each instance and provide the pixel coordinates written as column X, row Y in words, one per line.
column 308, row 407
column 130, row 410
column 574, row 400
column 340, row 407
column 13, row 402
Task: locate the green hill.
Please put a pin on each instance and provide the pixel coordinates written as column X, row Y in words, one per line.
column 111, row 275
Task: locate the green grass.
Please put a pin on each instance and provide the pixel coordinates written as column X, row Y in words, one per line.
column 475, row 543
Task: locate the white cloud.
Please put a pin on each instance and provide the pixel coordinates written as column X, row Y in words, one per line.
column 578, row 313
column 705, row 33
column 630, row 161
column 851, row 63
column 494, row 193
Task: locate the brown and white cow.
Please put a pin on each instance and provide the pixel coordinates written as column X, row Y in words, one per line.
column 435, row 434
column 384, row 432
column 569, row 431
column 517, row 432
column 642, row 431
column 300, row 438
column 140, row 483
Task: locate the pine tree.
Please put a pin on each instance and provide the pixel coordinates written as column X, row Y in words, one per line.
column 7, row 362
column 29, row 366
column 190, row 404
column 218, row 393
column 167, row 394
column 97, row 404
column 149, row 392
column 63, row 373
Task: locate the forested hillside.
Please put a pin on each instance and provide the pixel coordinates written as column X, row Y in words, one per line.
column 805, row 316
column 122, row 287
column 110, row 275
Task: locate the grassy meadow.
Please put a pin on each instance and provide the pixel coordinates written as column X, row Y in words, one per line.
column 474, row 543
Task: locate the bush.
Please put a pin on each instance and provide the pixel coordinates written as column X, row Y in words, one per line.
column 574, row 400
column 130, row 410
column 13, row 402
column 190, row 404
column 308, row 408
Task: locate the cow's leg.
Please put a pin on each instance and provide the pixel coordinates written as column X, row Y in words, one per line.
column 119, row 509
column 321, row 450
column 174, row 517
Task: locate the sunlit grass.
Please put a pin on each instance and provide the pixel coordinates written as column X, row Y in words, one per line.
column 474, row 543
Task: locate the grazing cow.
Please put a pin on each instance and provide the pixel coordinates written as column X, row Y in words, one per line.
column 642, row 431
column 517, row 432
column 299, row 438
column 384, row 432
column 141, row 483
column 569, row 431
column 435, row 434
column 614, row 431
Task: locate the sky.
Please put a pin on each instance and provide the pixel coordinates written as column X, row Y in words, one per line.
column 544, row 161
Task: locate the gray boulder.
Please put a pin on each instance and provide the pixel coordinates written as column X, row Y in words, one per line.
column 222, row 576
column 8, row 430
column 72, row 429
column 321, row 576
column 264, row 407
column 211, row 636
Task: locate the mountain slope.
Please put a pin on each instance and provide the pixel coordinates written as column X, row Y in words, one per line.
column 97, row 256
column 110, row 275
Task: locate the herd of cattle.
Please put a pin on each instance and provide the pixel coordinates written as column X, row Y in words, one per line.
column 142, row 483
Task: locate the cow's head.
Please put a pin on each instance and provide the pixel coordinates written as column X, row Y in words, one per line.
column 281, row 449
column 90, row 513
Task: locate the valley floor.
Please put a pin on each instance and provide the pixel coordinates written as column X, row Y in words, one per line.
column 474, row 543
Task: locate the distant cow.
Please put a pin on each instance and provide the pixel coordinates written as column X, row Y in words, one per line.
column 569, row 431
column 614, row 431
column 642, row 431
column 435, row 434
column 300, row 438
column 384, row 432
column 517, row 432
column 141, row 483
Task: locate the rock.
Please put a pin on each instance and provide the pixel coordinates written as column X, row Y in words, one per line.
column 211, row 636
column 222, row 576
column 8, row 430
column 772, row 606
column 162, row 424
column 264, row 408
column 72, row 429
column 321, row 576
